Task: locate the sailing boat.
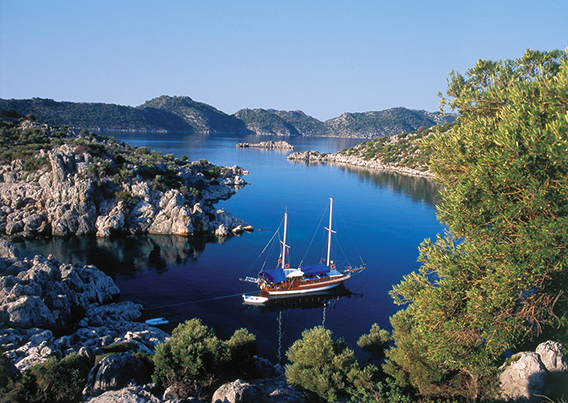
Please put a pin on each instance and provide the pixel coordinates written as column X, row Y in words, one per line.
column 285, row 280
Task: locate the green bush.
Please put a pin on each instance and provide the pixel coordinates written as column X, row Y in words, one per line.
column 50, row 381
column 375, row 342
column 324, row 365
column 242, row 348
column 191, row 359
column 194, row 361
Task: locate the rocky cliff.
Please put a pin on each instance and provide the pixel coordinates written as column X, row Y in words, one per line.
column 86, row 184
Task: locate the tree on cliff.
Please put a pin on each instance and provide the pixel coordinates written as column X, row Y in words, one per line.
column 498, row 277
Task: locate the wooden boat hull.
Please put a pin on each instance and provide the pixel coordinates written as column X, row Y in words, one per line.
column 304, row 287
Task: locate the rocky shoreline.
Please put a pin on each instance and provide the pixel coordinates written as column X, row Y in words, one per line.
column 82, row 188
column 278, row 145
column 315, row 157
column 52, row 309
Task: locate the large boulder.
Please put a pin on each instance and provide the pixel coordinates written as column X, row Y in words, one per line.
column 130, row 394
column 527, row 376
column 235, row 392
column 115, row 372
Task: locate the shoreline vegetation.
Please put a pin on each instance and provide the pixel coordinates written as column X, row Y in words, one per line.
column 405, row 153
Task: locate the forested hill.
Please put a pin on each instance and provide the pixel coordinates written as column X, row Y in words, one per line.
column 163, row 114
column 176, row 114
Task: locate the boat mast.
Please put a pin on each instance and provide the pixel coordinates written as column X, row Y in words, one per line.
column 329, row 231
column 284, row 246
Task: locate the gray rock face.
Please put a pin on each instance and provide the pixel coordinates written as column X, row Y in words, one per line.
column 73, row 197
column 235, row 392
column 130, row 394
column 554, row 361
column 115, row 372
column 41, row 292
column 529, row 376
column 265, row 390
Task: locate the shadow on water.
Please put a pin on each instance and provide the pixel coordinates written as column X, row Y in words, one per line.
column 124, row 256
column 285, row 312
column 326, row 298
column 419, row 189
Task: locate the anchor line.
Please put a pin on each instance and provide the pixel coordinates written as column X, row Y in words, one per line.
column 153, row 308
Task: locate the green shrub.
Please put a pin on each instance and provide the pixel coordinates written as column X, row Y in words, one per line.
column 52, row 380
column 324, row 365
column 375, row 342
column 191, row 359
column 8, row 373
column 123, row 347
column 242, row 348
column 125, row 197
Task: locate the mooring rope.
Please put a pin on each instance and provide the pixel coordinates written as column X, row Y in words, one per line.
column 153, row 308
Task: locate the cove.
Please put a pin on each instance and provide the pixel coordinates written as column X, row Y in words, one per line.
column 381, row 217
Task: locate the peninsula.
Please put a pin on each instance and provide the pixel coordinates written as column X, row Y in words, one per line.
column 404, row 153
column 56, row 181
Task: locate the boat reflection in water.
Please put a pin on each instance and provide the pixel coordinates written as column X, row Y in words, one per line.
column 283, row 304
column 304, row 301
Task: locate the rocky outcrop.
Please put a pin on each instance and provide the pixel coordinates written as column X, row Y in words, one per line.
column 131, row 394
column 76, row 194
column 266, row 389
column 41, row 295
column 278, row 145
column 315, row 157
column 528, row 376
column 115, row 372
column 41, row 292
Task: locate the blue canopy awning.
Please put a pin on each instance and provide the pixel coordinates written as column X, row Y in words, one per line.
column 275, row 275
column 314, row 269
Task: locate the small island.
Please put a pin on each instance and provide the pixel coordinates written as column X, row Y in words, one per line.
column 271, row 145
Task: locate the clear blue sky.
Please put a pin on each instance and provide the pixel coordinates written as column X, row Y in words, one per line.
column 321, row 57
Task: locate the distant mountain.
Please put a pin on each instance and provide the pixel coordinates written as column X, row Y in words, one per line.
column 201, row 117
column 384, row 123
column 94, row 116
column 163, row 114
column 281, row 123
column 182, row 114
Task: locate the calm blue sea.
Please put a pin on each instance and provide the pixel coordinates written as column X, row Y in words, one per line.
column 381, row 219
